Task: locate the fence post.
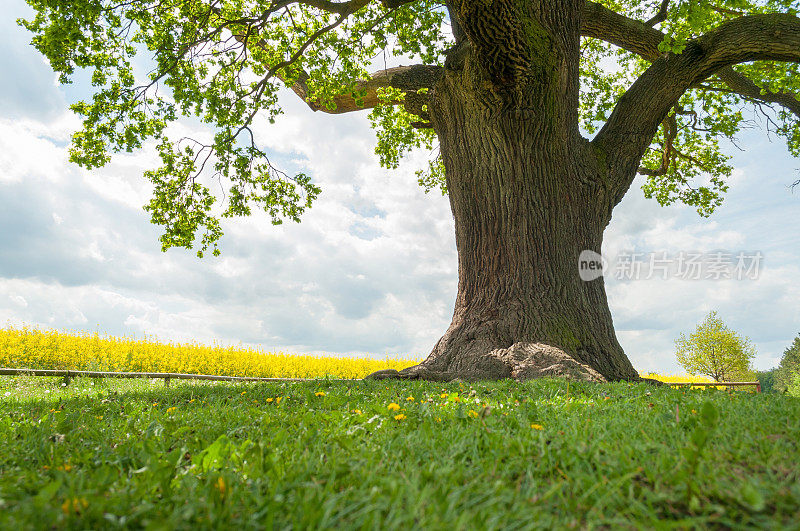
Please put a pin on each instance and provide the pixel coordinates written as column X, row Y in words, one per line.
column 66, row 378
column 166, row 381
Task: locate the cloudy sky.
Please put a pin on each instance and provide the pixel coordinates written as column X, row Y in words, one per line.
column 372, row 267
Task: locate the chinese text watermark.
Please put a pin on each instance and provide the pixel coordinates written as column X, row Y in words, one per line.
column 684, row 265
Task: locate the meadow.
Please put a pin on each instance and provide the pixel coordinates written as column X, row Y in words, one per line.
column 541, row 454
column 366, row 454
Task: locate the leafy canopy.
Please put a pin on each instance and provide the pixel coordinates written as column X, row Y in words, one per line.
column 153, row 62
column 715, row 350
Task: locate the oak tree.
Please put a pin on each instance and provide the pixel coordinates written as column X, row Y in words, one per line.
column 541, row 113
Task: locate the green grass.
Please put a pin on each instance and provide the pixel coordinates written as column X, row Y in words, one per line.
column 105, row 454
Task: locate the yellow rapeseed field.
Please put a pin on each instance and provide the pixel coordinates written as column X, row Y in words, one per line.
column 49, row 349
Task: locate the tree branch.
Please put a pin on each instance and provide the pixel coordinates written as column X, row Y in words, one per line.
column 406, row 78
column 639, row 112
column 661, row 16
column 629, row 34
column 744, row 86
column 640, row 38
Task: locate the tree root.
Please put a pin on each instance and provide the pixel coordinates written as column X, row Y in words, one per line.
column 521, row 361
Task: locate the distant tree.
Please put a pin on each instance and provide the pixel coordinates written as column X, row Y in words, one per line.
column 767, row 380
column 790, row 365
column 715, row 350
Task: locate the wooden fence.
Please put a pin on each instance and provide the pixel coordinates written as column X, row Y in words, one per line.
column 167, row 376
column 757, row 385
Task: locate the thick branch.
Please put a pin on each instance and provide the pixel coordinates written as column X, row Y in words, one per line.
column 629, row 34
column 406, row 78
column 640, row 111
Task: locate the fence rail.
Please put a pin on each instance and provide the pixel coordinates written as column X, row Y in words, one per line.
column 167, row 376
column 757, row 385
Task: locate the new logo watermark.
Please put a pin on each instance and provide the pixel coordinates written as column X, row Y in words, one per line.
column 683, row 265
column 591, row 265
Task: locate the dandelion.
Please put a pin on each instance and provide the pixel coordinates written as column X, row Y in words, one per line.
column 192, row 400
column 99, row 417
column 65, row 467
column 278, row 399
column 244, row 393
column 443, row 395
column 75, row 505
column 269, row 400
column 410, row 399
column 171, row 409
column 393, row 407
column 537, row 426
column 357, row 411
column 399, row 417
column 319, row 393
column 472, row 413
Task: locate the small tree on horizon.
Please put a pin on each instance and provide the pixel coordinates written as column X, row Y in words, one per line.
column 789, row 367
column 715, row 350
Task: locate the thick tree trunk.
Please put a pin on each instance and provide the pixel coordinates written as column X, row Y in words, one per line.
column 528, row 195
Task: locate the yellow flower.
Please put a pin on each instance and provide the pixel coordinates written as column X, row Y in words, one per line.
column 399, row 417
column 74, row 505
column 357, row 411
column 220, row 485
column 319, row 393
column 66, row 467
column 537, row 426
column 443, row 395
column 393, row 407
column 244, row 392
column 99, row 417
column 192, row 400
column 278, row 399
column 410, row 399
column 269, row 400
column 171, row 409
column 473, row 414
